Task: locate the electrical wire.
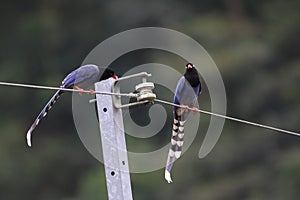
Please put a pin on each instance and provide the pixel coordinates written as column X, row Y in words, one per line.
column 65, row 89
column 156, row 100
column 230, row 118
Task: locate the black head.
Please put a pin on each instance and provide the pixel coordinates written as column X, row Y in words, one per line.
column 189, row 66
column 108, row 73
column 191, row 74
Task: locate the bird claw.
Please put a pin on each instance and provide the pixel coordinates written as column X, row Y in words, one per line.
column 92, row 92
column 195, row 110
column 81, row 91
column 186, row 108
column 168, row 177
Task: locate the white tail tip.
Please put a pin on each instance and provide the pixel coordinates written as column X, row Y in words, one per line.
column 28, row 137
column 178, row 153
column 168, row 177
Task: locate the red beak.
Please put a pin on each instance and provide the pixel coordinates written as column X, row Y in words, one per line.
column 115, row 77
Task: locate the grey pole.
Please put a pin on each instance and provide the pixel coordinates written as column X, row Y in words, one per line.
column 113, row 144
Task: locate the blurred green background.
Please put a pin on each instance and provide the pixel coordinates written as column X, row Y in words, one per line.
column 254, row 43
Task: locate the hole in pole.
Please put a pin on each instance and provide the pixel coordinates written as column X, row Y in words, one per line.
column 112, row 173
column 104, row 109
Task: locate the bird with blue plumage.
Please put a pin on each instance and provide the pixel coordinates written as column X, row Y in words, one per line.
column 82, row 77
column 186, row 95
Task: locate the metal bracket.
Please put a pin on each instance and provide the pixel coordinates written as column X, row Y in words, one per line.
column 144, row 90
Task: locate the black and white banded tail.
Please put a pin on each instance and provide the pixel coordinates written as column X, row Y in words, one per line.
column 42, row 114
column 176, row 142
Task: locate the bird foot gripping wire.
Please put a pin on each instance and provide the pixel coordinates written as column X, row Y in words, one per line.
column 81, row 91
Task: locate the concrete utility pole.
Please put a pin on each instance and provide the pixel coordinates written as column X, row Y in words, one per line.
column 113, row 144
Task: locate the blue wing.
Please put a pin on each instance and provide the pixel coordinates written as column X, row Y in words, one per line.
column 187, row 95
column 70, row 79
column 178, row 90
column 84, row 76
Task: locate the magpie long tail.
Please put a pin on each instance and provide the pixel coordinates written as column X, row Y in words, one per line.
column 176, row 145
column 42, row 114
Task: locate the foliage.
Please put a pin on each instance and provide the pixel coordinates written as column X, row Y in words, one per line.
column 255, row 45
